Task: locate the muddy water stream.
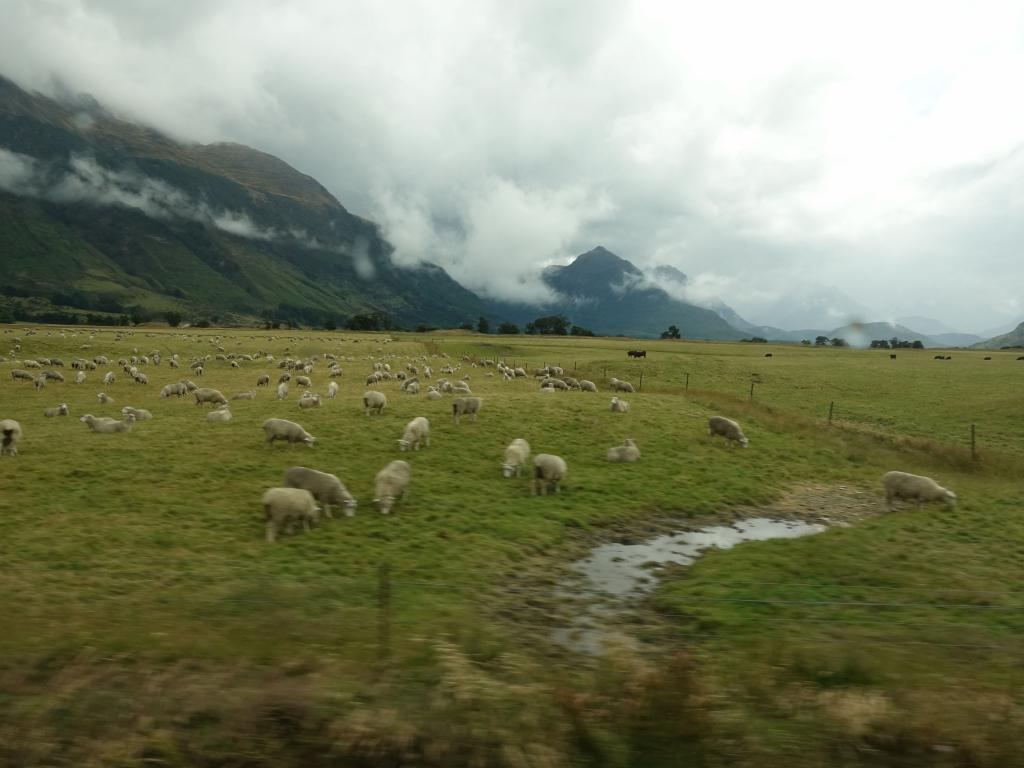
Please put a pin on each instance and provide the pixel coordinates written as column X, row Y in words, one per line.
column 614, row 577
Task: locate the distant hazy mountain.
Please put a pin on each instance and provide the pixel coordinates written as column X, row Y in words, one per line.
column 100, row 213
column 1014, row 338
column 927, row 325
column 999, row 330
column 611, row 296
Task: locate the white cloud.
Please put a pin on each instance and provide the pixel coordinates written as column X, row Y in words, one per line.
column 783, row 148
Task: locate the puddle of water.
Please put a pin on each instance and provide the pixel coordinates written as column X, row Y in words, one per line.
column 624, row 571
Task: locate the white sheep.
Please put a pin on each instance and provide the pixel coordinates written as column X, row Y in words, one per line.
column 250, row 395
column 263, row 380
column 11, row 432
column 327, row 489
column 553, row 384
column 466, row 406
column 309, row 400
column 413, row 388
column 516, row 454
column 40, row 382
column 80, row 377
column 140, row 414
column 620, row 386
column 727, row 428
column 207, row 395
column 619, row 406
column 285, row 506
column 107, row 425
column 433, row 395
column 548, row 472
column 282, row 390
column 918, row 488
column 332, row 390
column 374, row 401
column 219, row 414
column 391, row 484
column 109, row 379
column 625, row 453
column 416, row 431
column 57, row 410
column 282, row 429
column 588, row 386
column 104, row 399
column 303, row 381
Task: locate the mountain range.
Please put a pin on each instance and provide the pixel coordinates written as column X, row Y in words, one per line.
column 102, row 215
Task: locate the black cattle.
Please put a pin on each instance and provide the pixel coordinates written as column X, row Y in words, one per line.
column 892, row 357
column 637, row 353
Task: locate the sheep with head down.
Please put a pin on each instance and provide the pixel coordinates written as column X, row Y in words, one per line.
column 416, row 431
column 285, row 507
column 466, row 406
column 289, row 431
column 326, row 488
column 548, row 473
column 516, row 454
column 917, row 488
column 619, row 406
column 205, row 395
column 374, row 401
column 727, row 428
column 391, row 485
column 10, row 436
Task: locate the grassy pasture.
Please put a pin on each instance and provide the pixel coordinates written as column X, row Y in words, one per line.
column 146, row 550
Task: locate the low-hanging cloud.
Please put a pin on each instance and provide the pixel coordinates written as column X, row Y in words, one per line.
column 848, row 157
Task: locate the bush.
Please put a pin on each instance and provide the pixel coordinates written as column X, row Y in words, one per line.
column 173, row 318
column 509, row 329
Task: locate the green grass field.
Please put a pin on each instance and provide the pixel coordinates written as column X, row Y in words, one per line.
column 146, row 619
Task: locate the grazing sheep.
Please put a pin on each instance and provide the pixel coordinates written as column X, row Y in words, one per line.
column 548, row 472
column 40, row 382
column 587, row 386
column 18, row 374
column 140, row 414
column 220, row 414
column 625, row 453
column 282, row 390
column 263, row 380
column 620, row 386
column 391, row 484
column 727, row 428
column 284, row 378
column 461, row 389
column 327, row 489
column 374, row 401
column 903, row 485
column 303, row 381
column 413, row 389
column 619, row 406
column 573, row 383
column 516, row 454
column 466, row 406
column 433, row 395
column 332, row 390
column 109, row 379
column 57, row 410
column 284, row 506
column 553, row 384
column 207, row 395
column 104, row 399
column 107, row 425
column 282, row 429
column 80, row 377
column 309, row 400
column 250, row 395
column 58, row 376
column 11, row 431
column 416, row 431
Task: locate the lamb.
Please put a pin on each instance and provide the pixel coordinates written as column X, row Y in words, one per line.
column 104, row 399
column 282, row 429
column 106, row 425
column 374, row 401
column 619, row 406
column 332, row 390
column 283, row 506
column 516, row 454
column 327, row 489
column 250, row 395
column 263, row 380
column 903, row 485
column 416, row 431
column 140, row 414
column 548, row 472
column 727, row 428
column 57, row 410
column 390, row 485
column 625, row 453
column 11, row 431
column 309, row 400
column 219, row 414
column 620, row 386
column 587, row 386
column 207, row 395
column 465, row 406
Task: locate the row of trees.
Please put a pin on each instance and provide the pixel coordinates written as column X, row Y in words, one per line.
column 895, row 343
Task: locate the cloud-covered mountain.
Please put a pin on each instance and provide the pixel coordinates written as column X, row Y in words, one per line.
column 101, row 213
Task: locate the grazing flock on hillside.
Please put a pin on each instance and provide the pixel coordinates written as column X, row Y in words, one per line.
column 305, row 492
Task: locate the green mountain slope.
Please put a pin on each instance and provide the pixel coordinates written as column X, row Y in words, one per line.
column 99, row 212
column 1014, row 338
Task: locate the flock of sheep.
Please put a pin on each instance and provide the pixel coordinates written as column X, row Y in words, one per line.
column 304, row 491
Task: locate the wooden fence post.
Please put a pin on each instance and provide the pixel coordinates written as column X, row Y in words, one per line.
column 641, row 387
column 974, row 450
column 831, row 405
column 687, row 386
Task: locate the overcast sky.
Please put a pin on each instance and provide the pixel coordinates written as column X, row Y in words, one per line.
column 789, row 157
